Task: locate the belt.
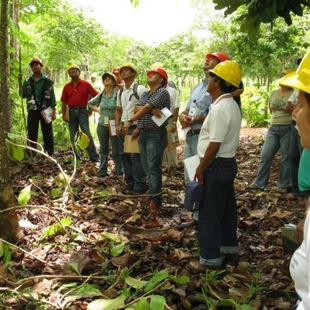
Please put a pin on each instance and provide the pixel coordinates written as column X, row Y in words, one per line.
column 194, row 132
column 77, row 108
column 152, row 129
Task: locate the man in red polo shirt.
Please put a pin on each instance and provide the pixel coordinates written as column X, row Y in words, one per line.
column 76, row 94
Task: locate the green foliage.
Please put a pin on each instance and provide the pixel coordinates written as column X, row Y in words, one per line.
column 262, row 11
column 58, row 228
column 254, row 107
column 81, row 141
column 5, row 253
column 24, row 195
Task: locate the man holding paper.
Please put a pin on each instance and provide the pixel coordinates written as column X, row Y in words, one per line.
column 127, row 97
column 39, row 91
column 217, row 145
column 151, row 115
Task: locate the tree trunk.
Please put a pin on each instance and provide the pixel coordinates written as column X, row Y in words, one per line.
column 9, row 229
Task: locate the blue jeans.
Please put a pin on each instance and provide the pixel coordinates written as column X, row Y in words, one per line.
column 217, row 224
column 152, row 145
column 79, row 118
column 104, row 137
column 295, row 153
column 134, row 173
column 190, row 150
column 278, row 138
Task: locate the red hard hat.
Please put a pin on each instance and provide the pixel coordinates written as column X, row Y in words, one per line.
column 221, row 56
column 115, row 70
column 36, row 60
column 161, row 72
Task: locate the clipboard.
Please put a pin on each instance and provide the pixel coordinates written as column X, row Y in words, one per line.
column 131, row 146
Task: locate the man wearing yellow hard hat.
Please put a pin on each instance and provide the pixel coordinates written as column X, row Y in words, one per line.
column 127, row 97
column 217, row 144
column 76, row 94
column 300, row 262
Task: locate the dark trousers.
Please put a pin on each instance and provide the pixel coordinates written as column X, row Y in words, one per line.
column 217, row 225
column 34, row 118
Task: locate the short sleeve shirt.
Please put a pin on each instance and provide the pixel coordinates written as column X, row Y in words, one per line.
column 78, row 95
column 199, row 102
column 127, row 101
column 222, row 125
column 159, row 99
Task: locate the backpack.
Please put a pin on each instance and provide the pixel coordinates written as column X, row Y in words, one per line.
column 134, row 92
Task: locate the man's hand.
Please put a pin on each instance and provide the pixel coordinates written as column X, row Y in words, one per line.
column 156, row 112
column 135, row 133
column 126, row 127
column 119, row 130
column 53, row 114
column 185, row 120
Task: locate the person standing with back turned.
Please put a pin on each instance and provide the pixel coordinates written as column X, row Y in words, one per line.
column 39, row 91
column 76, row 94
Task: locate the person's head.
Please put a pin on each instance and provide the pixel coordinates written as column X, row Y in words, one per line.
column 109, row 79
column 301, row 80
column 157, row 76
column 156, row 65
column 225, row 78
column 74, row 71
column 212, row 59
column 284, row 76
column 93, row 77
column 36, row 65
column 116, row 72
column 127, row 71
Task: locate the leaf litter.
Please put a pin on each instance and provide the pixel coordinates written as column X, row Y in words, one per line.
column 109, row 243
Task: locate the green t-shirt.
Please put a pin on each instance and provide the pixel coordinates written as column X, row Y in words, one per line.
column 303, row 171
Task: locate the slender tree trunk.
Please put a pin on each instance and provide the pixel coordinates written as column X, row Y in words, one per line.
column 9, row 229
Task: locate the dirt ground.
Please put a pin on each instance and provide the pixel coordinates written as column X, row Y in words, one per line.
column 253, row 131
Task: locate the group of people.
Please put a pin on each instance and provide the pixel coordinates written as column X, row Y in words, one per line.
column 211, row 122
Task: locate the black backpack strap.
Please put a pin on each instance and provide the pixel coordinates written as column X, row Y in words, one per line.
column 120, row 94
column 135, row 92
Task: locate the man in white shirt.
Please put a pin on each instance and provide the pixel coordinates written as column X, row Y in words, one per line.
column 127, row 97
column 217, row 144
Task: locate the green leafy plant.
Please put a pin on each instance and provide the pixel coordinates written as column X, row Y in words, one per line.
column 255, row 107
column 58, row 228
column 5, row 254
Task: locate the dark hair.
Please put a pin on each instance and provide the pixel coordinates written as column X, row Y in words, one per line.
column 225, row 86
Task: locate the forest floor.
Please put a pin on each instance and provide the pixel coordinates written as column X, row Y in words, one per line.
column 106, row 250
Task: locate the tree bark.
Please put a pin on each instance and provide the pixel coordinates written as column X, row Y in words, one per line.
column 9, row 228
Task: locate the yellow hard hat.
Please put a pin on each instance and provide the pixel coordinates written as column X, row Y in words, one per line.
column 127, row 65
column 228, row 71
column 106, row 74
column 73, row 66
column 288, row 74
column 301, row 78
column 156, row 65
